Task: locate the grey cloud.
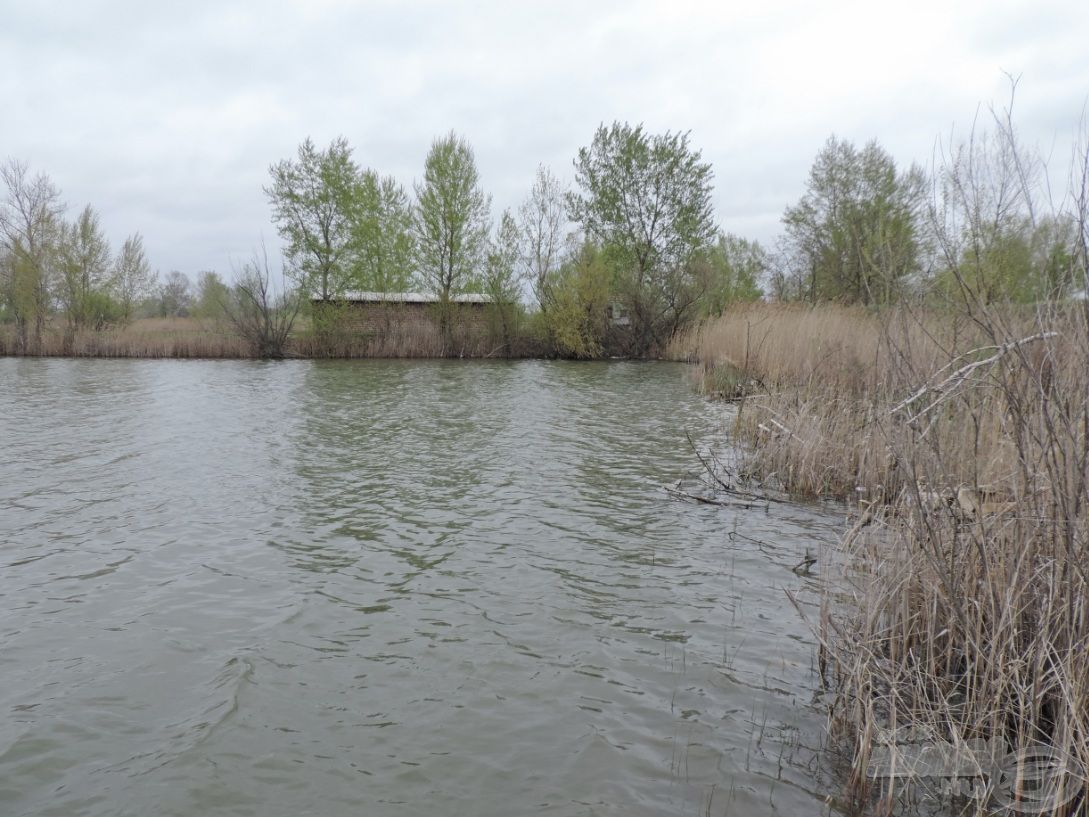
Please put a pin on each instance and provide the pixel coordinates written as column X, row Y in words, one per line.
column 166, row 118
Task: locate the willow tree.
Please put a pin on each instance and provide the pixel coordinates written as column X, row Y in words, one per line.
column 577, row 319
column 381, row 222
column 855, row 235
column 30, row 214
column 85, row 279
column 646, row 198
column 311, row 206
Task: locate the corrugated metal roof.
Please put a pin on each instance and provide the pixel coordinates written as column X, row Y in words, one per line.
column 409, row 298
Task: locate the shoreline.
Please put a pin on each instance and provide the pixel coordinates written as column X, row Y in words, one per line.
column 964, row 450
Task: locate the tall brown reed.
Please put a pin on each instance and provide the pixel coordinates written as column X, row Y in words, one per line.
column 150, row 337
column 193, row 338
column 968, row 440
column 974, row 622
column 816, row 381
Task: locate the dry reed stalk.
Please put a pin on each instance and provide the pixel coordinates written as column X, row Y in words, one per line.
column 150, row 338
column 969, row 619
column 192, row 338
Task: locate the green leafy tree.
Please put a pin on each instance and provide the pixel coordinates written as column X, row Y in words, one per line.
column 450, row 225
column 30, row 218
column 1021, row 263
column 502, row 282
column 731, row 271
column 381, row 223
column 133, row 280
column 855, row 234
column 647, row 200
column 175, row 295
column 577, row 322
column 312, row 202
column 212, row 294
column 996, row 236
column 1055, row 248
column 85, row 280
column 450, row 220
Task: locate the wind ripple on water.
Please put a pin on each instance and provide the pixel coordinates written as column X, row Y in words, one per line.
column 390, row 587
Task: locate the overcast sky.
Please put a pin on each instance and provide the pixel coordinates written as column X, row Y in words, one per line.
column 166, row 117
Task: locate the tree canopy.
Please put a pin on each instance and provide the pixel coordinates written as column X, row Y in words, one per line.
column 450, row 219
column 855, row 234
column 381, row 222
column 311, row 200
column 85, row 270
column 646, row 198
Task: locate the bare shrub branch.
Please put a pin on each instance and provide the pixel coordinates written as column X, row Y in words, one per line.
column 262, row 317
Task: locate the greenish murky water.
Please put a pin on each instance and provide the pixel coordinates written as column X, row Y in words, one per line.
column 389, row 588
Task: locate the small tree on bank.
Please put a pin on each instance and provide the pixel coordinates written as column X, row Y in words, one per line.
column 83, row 286
column 541, row 221
column 501, row 281
column 263, row 318
column 731, row 271
column 577, row 321
column 997, row 237
column 175, row 295
column 132, row 276
column 212, row 293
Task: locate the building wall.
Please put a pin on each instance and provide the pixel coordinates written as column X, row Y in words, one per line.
column 381, row 329
column 381, row 318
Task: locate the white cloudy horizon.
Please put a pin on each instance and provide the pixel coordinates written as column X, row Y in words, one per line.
column 166, row 119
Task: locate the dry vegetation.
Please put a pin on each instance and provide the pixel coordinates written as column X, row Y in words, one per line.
column 195, row 338
column 958, row 427
column 148, row 337
column 408, row 339
column 965, row 438
column 816, row 388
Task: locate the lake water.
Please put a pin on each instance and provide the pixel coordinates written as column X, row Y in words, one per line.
column 390, row 588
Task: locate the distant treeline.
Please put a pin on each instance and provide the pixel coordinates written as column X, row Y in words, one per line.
column 60, row 276
column 617, row 262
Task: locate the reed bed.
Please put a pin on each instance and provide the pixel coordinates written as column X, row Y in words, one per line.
column 816, row 386
column 148, row 337
column 785, row 345
column 965, row 441
column 194, row 338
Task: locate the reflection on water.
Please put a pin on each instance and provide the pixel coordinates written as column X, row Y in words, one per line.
column 389, row 588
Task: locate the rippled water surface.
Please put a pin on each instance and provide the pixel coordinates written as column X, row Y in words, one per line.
column 389, row 588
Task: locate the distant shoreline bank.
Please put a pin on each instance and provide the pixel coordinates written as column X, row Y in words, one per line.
column 193, row 338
